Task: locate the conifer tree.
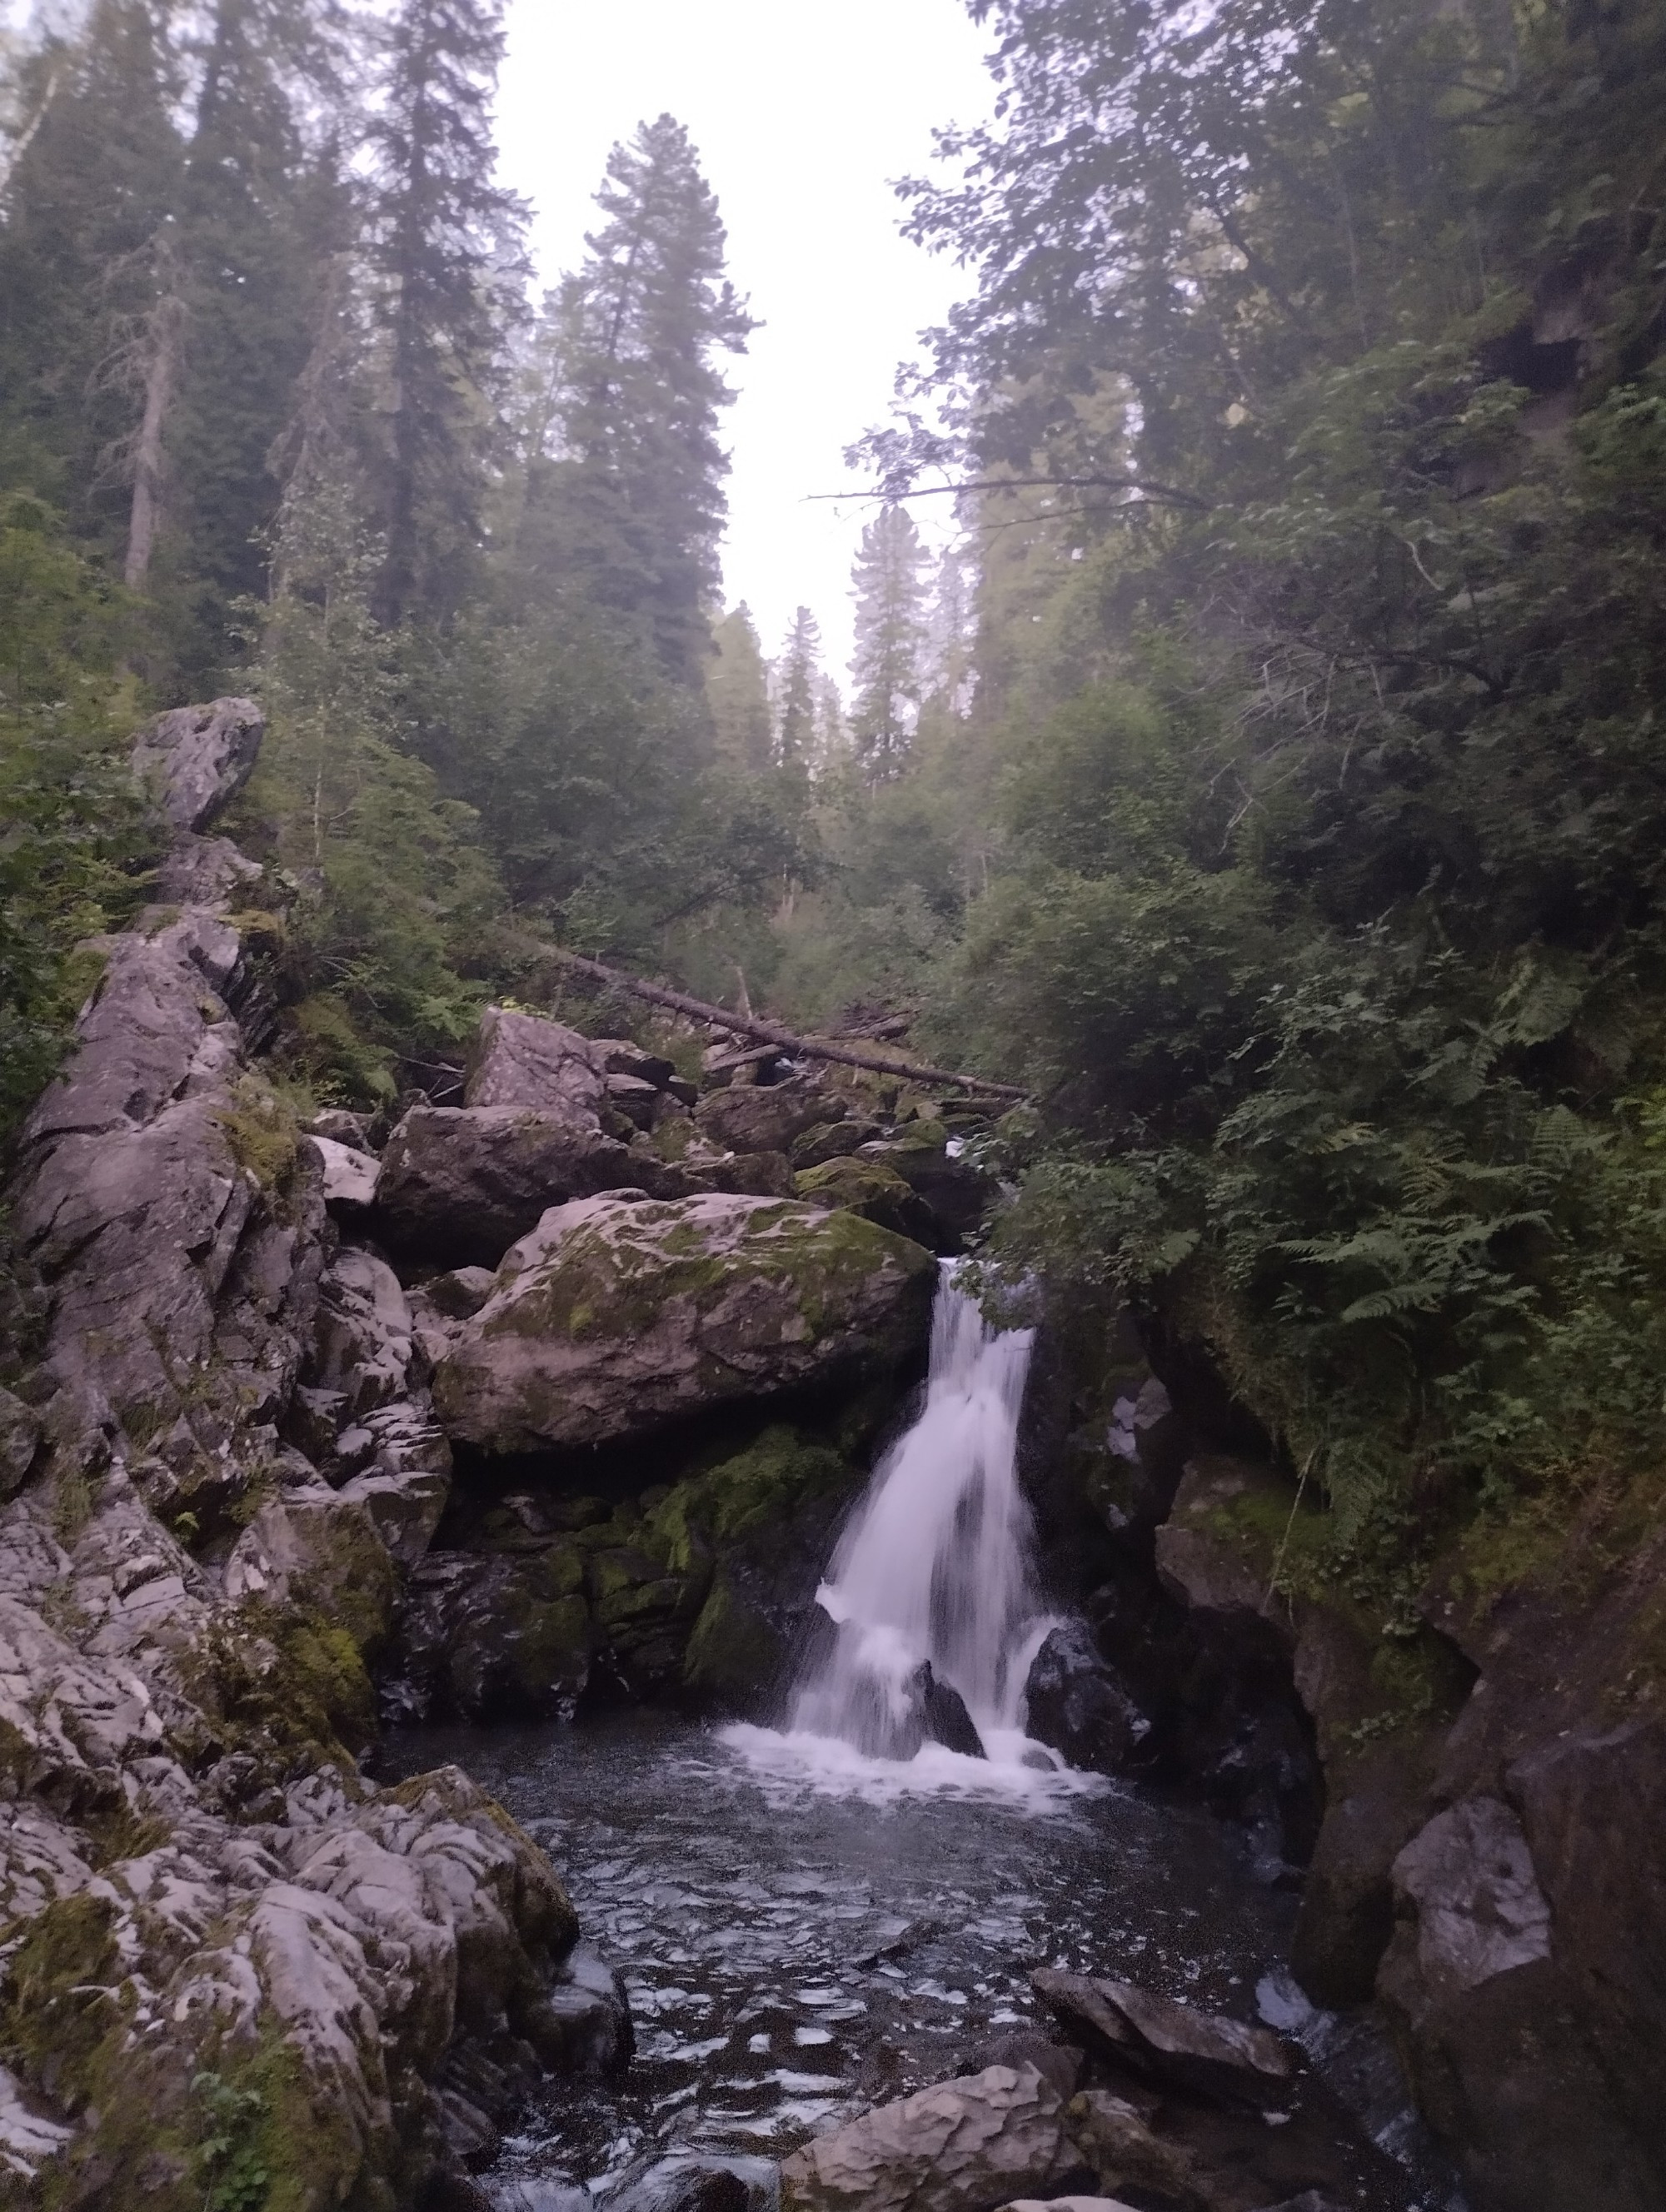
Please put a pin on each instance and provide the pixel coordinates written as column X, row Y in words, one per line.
column 885, row 667
column 642, row 326
column 795, row 726
column 448, row 254
column 737, row 690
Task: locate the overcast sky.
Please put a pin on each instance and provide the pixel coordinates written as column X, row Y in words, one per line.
column 802, row 111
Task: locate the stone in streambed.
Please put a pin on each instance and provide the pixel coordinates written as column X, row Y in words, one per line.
column 1168, row 2042
column 1074, row 1703
column 943, row 1711
column 616, row 1317
column 963, row 2145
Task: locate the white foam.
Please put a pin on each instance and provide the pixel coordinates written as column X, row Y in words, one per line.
column 792, row 1762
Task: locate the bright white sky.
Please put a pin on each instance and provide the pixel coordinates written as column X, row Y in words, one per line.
column 802, row 111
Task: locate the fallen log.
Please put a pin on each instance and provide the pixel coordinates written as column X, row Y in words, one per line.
column 763, row 1032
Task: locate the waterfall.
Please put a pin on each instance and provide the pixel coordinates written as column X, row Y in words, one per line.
column 936, row 1566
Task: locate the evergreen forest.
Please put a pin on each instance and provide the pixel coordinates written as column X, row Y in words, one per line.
column 1268, row 779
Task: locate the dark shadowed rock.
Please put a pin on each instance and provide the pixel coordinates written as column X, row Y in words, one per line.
column 947, row 1721
column 194, row 761
column 1171, row 2043
column 493, row 1638
column 461, row 1184
column 1073, row 1702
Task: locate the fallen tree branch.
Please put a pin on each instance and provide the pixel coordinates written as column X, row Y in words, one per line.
column 763, row 1032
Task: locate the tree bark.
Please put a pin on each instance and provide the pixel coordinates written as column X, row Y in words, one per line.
column 162, row 348
column 763, row 1032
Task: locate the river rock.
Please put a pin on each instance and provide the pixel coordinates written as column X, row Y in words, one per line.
column 1187, row 2154
column 1173, row 2043
column 618, row 1316
column 945, row 1717
column 751, row 1119
column 195, row 760
column 461, row 1184
column 537, row 1066
column 965, row 2146
column 1073, row 1702
column 878, row 1193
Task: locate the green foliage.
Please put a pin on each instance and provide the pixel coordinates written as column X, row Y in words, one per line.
column 229, row 2156
column 71, row 832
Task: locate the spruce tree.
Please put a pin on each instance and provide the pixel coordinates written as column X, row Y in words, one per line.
column 642, row 326
column 890, row 643
column 737, row 690
column 449, row 255
column 795, row 726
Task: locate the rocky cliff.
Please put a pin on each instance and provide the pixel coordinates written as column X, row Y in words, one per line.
column 238, row 1352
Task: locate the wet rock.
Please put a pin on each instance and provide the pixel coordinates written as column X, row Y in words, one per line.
column 1169, row 2042
column 1474, row 1897
column 493, row 1638
column 693, row 2181
column 461, row 1184
column 195, row 760
column 877, row 1193
column 538, row 1066
column 944, row 1715
column 1189, row 2157
column 615, row 1317
column 1068, row 2204
column 965, row 2146
column 584, row 2025
column 1074, row 1703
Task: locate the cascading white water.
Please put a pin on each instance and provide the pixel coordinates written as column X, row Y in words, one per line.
column 936, row 1566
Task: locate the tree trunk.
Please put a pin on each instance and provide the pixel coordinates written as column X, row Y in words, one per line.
column 763, row 1032
column 164, row 349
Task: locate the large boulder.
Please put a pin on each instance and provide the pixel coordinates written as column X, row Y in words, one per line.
column 963, row 2146
column 768, row 1119
column 616, row 1317
column 1153, row 2037
column 194, row 761
column 877, row 1193
column 460, row 1184
column 540, row 1066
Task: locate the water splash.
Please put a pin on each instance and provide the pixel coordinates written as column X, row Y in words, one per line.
column 935, row 1568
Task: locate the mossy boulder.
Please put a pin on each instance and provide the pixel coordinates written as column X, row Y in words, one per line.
column 874, row 1191
column 617, row 1316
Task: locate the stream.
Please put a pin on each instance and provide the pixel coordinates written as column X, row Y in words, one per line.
column 813, row 1921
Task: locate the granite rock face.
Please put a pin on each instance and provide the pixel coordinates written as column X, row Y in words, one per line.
column 202, row 1898
column 619, row 1315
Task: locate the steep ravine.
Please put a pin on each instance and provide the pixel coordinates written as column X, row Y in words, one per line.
column 549, row 1404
